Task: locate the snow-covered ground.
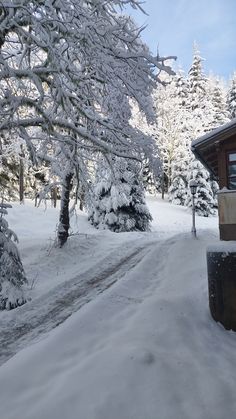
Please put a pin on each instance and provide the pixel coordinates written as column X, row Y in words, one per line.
column 140, row 343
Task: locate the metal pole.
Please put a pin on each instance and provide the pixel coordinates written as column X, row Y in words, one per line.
column 193, row 213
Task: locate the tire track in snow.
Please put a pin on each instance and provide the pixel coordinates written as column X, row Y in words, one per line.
column 43, row 314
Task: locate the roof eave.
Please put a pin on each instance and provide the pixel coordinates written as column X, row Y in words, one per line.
column 218, row 134
column 205, row 164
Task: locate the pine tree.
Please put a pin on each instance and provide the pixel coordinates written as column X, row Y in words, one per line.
column 201, row 121
column 12, row 275
column 182, row 88
column 204, row 200
column 197, row 82
column 217, row 97
column 118, row 202
column 231, row 97
column 179, row 180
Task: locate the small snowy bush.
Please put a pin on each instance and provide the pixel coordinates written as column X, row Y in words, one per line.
column 118, row 201
column 12, row 275
column 204, row 200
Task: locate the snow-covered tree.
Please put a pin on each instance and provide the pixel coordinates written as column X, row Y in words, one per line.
column 231, row 97
column 179, row 173
column 172, row 133
column 217, row 99
column 203, row 114
column 204, row 200
column 181, row 84
column 197, row 82
column 119, row 202
column 58, row 62
column 12, row 275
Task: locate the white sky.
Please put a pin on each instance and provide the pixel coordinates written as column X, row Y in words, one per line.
column 173, row 26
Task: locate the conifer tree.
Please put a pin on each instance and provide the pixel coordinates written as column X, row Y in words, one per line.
column 12, row 275
column 202, row 117
column 118, row 201
column 204, row 200
column 196, row 79
column 231, row 97
column 217, row 98
column 179, row 180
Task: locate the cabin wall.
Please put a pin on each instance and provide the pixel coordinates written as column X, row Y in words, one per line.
column 224, row 148
column 227, row 214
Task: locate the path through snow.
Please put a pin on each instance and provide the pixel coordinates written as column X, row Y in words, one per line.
column 25, row 324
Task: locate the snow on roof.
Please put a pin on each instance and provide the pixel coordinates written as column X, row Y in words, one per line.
column 221, row 132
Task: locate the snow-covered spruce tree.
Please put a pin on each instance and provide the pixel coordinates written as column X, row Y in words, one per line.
column 197, row 82
column 149, row 181
column 119, row 201
column 12, row 275
column 217, row 97
column 231, row 97
column 200, row 100
column 58, row 61
column 204, row 200
column 179, row 173
column 202, row 116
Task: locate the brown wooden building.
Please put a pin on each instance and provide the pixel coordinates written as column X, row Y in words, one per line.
column 217, row 152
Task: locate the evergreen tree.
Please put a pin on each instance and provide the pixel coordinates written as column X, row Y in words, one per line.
column 231, row 97
column 182, row 88
column 214, row 189
column 148, row 178
column 12, row 275
column 204, row 200
column 197, row 82
column 118, row 201
column 217, row 98
column 199, row 101
column 201, row 121
column 179, row 181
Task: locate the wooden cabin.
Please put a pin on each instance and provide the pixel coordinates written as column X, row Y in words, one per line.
column 217, row 152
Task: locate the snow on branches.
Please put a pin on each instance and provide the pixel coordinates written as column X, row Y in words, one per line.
column 12, row 276
column 118, row 201
column 57, row 61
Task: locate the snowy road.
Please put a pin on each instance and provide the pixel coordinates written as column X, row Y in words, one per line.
column 26, row 324
column 140, row 343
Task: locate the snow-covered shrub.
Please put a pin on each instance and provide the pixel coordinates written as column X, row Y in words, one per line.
column 12, row 275
column 118, row 201
column 204, row 200
column 179, row 172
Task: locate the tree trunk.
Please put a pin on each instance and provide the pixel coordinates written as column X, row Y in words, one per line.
column 21, row 181
column 64, row 219
column 163, row 185
column 81, row 200
column 54, row 196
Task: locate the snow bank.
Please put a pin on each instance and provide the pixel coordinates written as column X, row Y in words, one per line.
column 222, row 246
column 147, row 348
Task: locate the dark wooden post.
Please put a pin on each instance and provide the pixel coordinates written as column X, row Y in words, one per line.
column 21, row 177
column 64, row 219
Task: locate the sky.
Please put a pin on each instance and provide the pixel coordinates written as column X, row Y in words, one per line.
column 174, row 25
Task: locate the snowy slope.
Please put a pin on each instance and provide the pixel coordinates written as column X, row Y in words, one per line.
column 146, row 348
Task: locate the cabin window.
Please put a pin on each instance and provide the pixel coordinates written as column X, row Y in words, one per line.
column 232, row 170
